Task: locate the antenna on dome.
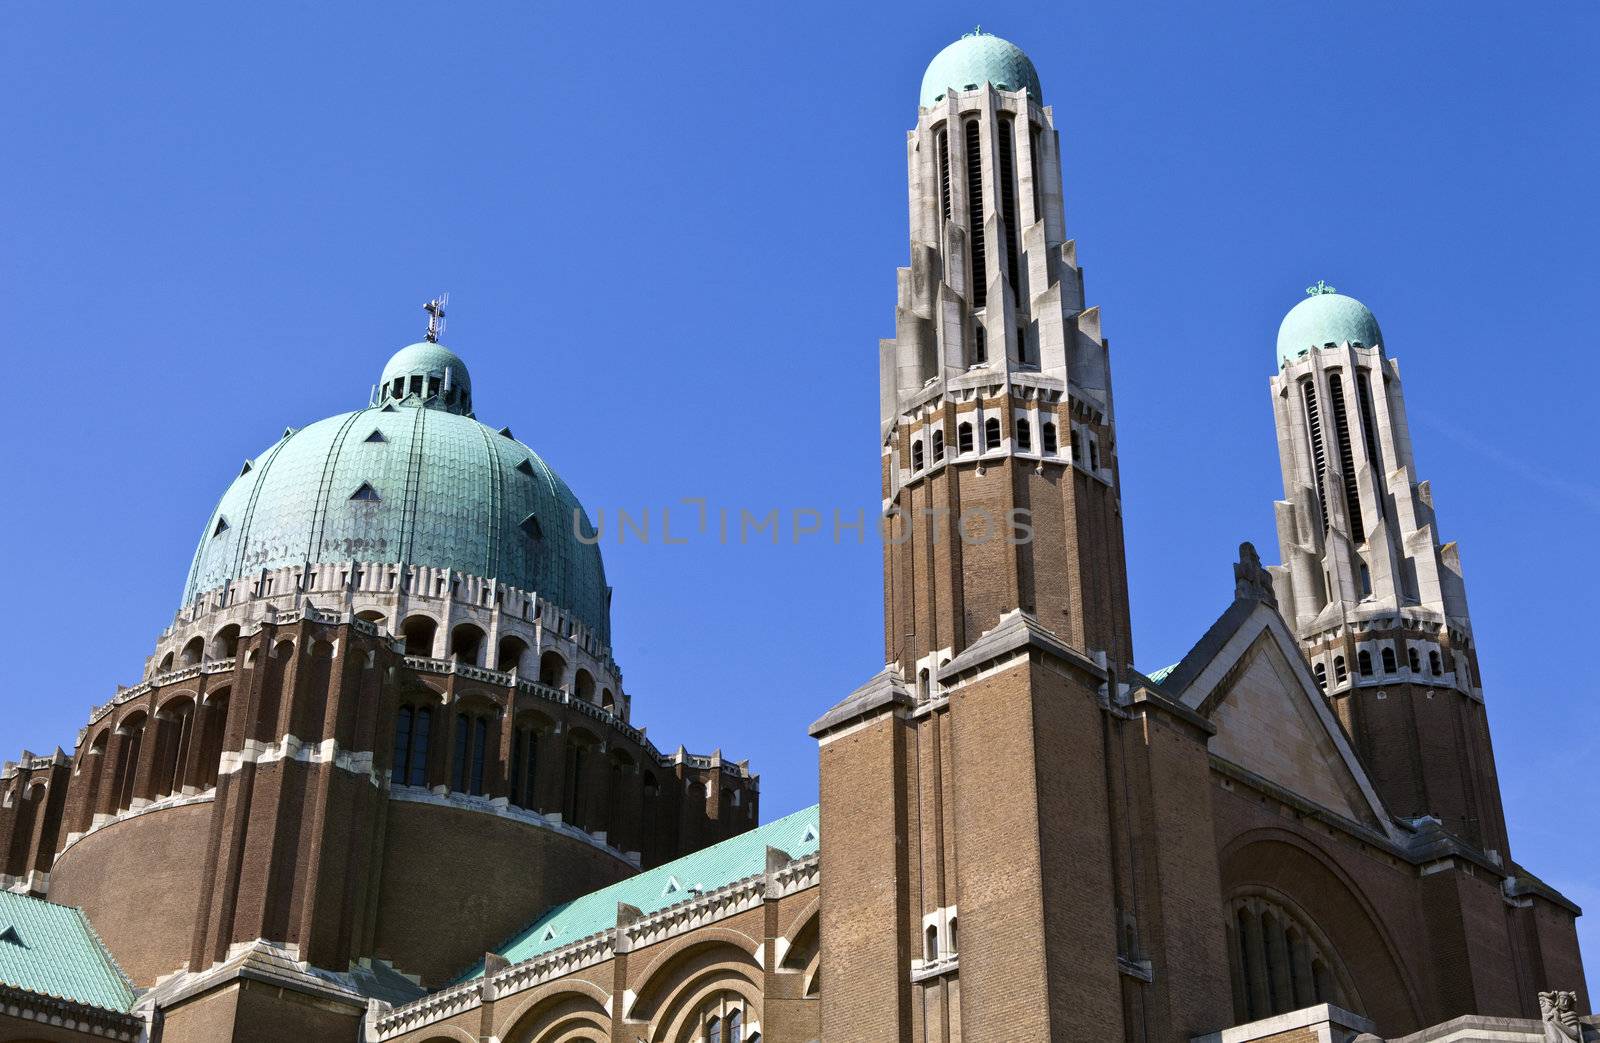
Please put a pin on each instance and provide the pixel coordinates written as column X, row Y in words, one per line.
column 435, row 310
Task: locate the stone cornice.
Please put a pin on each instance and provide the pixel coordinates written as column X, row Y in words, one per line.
column 63, row 1014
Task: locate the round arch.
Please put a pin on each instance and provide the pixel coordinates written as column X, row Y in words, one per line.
column 1303, row 877
column 571, row 1010
column 689, row 956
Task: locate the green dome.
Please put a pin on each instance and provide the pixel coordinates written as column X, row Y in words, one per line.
column 976, row 59
column 1326, row 318
column 408, row 482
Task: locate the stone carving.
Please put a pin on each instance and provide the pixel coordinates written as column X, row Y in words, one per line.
column 1250, row 581
column 1559, row 1012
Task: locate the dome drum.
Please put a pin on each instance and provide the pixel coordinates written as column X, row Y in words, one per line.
column 431, row 613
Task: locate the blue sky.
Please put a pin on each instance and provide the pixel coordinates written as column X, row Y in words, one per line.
column 670, row 235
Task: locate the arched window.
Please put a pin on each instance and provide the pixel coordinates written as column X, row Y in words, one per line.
column 1413, row 659
column 1435, row 664
column 419, row 632
column 991, row 433
column 953, row 947
column 225, row 645
column 466, row 644
column 723, row 1019
column 583, row 685
column 1340, row 674
column 980, row 346
column 916, row 454
column 930, row 944
column 923, row 682
column 1047, row 435
column 133, row 730
column 964, row 438
column 1320, row 672
column 1279, row 963
column 1364, row 662
column 212, row 737
column 166, row 664
column 1389, row 665
column 938, row 446
column 525, row 766
column 413, row 725
column 552, row 669
column 173, row 735
column 1024, row 436
column 472, row 744
column 194, row 651
column 608, row 701
column 572, row 796
column 1366, row 580
column 1094, row 456
column 509, row 655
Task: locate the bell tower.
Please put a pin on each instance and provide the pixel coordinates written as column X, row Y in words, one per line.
column 998, row 436
column 996, row 802
column 1378, row 604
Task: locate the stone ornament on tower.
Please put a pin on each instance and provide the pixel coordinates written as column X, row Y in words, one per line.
column 1251, row 582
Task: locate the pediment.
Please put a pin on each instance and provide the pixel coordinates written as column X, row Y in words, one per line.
column 1249, row 679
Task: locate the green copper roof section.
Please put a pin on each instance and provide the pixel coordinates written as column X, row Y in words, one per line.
column 1326, row 317
column 408, row 485
column 1161, row 675
column 51, row 949
column 976, row 59
column 427, row 359
column 736, row 858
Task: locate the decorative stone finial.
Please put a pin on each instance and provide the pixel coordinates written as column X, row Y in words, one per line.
column 1319, row 288
column 435, row 310
column 1559, row 1012
column 1251, row 582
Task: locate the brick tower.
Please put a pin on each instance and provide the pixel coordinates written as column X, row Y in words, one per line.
column 1005, row 716
column 1377, row 603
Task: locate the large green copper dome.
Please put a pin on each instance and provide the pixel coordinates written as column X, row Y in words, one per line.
column 976, row 59
column 413, row 480
column 1324, row 318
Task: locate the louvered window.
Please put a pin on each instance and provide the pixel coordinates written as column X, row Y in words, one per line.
column 1347, row 460
column 943, row 149
column 1318, row 456
column 991, row 433
column 1024, row 436
column 938, row 446
column 1047, row 436
column 964, row 438
column 1008, row 204
column 916, row 455
column 980, row 276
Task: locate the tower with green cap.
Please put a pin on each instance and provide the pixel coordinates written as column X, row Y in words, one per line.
column 1377, row 601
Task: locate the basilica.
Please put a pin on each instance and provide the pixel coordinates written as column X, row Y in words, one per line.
column 381, row 779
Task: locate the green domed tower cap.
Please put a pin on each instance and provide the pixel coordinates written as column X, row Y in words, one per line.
column 1323, row 318
column 976, row 59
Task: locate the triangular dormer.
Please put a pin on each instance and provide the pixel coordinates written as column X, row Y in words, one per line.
column 221, row 527
column 526, row 467
column 366, row 492
column 247, row 468
column 376, row 436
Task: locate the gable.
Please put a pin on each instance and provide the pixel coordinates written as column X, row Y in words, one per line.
column 1266, row 725
column 1248, row 677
